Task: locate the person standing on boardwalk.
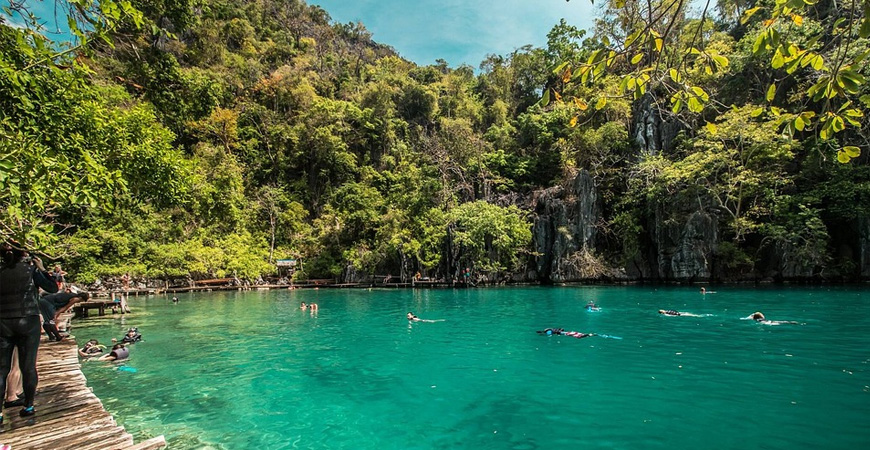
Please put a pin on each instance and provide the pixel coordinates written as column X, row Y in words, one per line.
column 19, row 317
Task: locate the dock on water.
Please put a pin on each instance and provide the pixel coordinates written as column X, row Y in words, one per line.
column 68, row 414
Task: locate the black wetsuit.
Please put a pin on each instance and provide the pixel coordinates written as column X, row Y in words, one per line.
column 127, row 339
column 19, row 322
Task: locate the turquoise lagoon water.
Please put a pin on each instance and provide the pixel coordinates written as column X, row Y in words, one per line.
column 249, row 370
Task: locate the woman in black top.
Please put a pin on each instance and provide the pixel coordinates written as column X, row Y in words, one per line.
column 19, row 317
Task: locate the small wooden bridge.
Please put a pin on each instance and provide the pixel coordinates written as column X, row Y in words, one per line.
column 68, row 414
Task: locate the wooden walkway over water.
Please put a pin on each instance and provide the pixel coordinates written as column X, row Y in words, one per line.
column 68, row 414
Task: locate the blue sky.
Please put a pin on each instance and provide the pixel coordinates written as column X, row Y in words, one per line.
column 459, row 31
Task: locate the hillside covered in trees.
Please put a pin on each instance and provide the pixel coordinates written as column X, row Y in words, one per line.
column 204, row 138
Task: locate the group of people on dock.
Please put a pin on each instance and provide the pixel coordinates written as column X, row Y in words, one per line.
column 32, row 300
column 22, row 277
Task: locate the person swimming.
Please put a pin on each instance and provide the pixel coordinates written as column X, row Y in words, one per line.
column 591, row 306
column 92, row 348
column 759, row 317
column 303, row 306
column 118, row 353
column 562, row 332
column 174, row 299
column 673, row 312
column 551, row 331
column 131, row 337
column 413, row 318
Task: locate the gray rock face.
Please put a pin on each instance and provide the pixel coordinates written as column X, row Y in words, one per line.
column 564, row 230
column 652, row 131
column 864, row 239
column 788, row 265
column 684, row 249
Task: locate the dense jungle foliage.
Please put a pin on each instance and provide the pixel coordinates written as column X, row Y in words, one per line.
column 205, row 138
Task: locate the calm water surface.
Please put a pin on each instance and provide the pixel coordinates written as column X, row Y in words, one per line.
column 250, row 370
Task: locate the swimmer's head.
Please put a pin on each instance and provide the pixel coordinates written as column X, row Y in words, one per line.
column 757, row 315
column 661, row 311
column 549, row 332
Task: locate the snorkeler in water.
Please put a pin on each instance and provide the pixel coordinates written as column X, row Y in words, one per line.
column 413, row 318
column 591, row 306
column 131, row 337
column 119, row 352
column 562, row 332
column 92, row 348
column 673, row 312
column 758, row 316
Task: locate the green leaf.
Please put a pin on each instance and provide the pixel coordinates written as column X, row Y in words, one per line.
column 748, row 14
column 760, row 41
column 825, row 132
column 545, row 100
column 771, row 92
column 778, row 60
column 858, row 59
column 601, row 103
column 560, row 68
column 695, row 105
column 799, row 123
column 865, row 99
column 843, row 157
column 711, row 128
column 636, row 59
column 852, row 151
column 864, row 32
column 793, row 66
column 837, row 124
column 850, row 80
column 756, row 112
column 678, row 105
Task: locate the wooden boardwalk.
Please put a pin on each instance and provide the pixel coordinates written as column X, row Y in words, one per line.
column 68, row 414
